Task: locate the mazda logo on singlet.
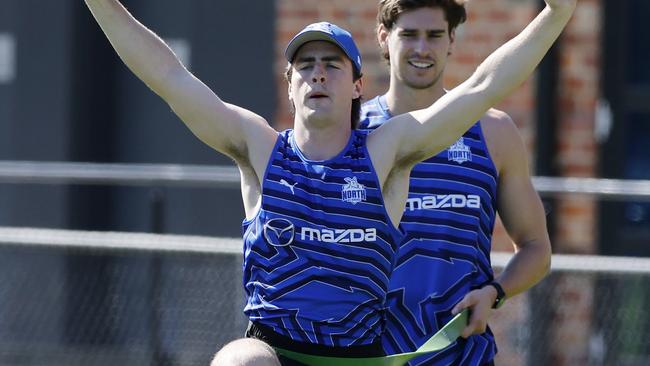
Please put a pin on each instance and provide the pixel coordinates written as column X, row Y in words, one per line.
column 279, row 232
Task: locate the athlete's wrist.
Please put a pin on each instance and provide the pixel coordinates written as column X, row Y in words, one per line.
column 499, row 294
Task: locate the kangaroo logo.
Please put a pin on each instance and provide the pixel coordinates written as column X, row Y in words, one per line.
column 353, row 192
column 290, row 186
column 459, row 152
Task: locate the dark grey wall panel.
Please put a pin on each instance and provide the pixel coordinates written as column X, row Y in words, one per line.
column 237, row 63
column 8, row 30
column 74, row 100
column 35, row 106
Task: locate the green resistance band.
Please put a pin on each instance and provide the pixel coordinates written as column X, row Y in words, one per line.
column 443, row 338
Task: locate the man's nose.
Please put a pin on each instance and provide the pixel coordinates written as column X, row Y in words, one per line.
column 421, row 46
column 318, row 74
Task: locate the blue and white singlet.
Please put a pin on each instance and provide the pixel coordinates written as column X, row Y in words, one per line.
column 319, row 253
column 448, row 219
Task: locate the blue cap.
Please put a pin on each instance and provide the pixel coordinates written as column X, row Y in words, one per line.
column 329, row 32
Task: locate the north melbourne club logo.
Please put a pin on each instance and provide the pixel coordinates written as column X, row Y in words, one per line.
column 279, row 232
column 459, row 152
column 353, row 192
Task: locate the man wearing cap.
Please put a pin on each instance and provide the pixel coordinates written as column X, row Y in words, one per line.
column 453, row 198
column 322, row 200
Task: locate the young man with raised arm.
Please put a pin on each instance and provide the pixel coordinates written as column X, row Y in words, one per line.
column 453, row 197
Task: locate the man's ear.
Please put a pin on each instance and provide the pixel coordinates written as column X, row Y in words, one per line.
column 452, row 42
column 382, row 38
column 289, row 89
column 292, row 106
column 357, row 92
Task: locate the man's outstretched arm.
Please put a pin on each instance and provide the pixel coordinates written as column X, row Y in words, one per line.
column 418, row 135
column 228, row 129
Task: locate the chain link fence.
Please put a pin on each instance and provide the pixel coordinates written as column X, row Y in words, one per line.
column 585, row 312
column 70, row 303
column 83, row 298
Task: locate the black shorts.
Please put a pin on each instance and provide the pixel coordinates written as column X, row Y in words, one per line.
column 267, row 335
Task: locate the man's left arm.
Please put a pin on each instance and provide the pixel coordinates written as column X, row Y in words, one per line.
column 523, row 216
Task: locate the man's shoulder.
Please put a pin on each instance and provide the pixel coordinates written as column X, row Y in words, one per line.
column 497, row 124
column 502, row 137
column 373, row 114
column 497, row 117
column 370, row 104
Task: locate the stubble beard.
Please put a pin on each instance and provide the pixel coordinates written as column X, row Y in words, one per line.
column 421, row 83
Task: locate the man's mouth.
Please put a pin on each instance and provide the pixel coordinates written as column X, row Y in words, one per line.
column 317, row 96
column 421, row 64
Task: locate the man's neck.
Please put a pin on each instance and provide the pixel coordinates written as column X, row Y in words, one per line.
column 402, row 99
column 321, row 143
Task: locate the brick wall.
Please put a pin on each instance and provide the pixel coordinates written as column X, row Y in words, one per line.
column 490, row 24
column 577, row 155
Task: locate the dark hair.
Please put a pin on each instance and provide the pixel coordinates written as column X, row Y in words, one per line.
column 355, row 112
column 390, row 10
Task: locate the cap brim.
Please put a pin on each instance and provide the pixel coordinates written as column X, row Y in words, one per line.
column 308, row 36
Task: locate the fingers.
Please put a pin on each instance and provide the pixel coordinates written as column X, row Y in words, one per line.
column 463, row 304
column 477, row 321
column 480, row 304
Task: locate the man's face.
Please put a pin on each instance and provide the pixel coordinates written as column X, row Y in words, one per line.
column 418, row 45
column 321, row 85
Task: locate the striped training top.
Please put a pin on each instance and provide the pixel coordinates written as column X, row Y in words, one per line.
column 448, row 219
column 319, row 253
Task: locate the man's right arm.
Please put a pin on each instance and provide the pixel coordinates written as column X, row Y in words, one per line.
column 229, row 129
column 412, row 137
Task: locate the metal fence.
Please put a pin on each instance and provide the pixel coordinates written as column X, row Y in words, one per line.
column 214, row 176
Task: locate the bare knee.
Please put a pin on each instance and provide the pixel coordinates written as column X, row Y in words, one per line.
column 246, row 352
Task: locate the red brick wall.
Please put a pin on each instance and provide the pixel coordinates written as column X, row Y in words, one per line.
column 577, row 155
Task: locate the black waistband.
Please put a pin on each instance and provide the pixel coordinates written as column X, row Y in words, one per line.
column 266, row 334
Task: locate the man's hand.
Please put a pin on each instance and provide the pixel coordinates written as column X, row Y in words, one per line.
column 480, row 304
